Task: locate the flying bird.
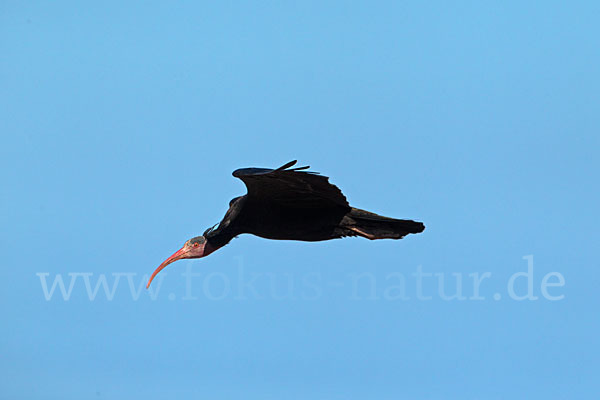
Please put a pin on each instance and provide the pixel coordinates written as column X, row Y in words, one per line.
column 291, row 204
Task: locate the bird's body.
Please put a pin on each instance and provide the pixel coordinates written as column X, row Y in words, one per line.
column 292, row 204
column 275, row 221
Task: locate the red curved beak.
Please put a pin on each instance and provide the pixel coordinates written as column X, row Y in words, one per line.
column 185, row 252
column 178, row 255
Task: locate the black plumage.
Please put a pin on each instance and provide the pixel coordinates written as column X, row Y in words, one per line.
column 295, row 204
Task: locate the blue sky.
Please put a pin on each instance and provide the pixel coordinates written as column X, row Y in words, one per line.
column 121, row 124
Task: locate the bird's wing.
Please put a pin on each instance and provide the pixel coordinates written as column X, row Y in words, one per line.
column 291, row 186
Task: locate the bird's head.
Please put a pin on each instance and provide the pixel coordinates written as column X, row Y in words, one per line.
column 194, row 248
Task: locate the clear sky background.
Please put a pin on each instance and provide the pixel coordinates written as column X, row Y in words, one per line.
column 121, row 123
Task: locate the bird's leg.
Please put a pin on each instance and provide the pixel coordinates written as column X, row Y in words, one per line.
column 362, row 233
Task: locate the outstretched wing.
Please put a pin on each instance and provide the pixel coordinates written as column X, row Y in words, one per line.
column 291, row 187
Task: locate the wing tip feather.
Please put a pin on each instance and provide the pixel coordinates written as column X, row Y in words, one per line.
column 287, row 165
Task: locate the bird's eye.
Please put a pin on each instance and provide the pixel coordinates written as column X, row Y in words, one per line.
column 196, row 244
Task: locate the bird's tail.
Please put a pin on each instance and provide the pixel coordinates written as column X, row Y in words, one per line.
column 372, row 226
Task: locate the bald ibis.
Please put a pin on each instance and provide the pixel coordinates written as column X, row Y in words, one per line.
column 291, row 204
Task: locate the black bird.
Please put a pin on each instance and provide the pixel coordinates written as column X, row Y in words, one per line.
column 291, row 204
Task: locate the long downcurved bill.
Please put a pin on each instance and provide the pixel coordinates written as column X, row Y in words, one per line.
column 178, row 255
